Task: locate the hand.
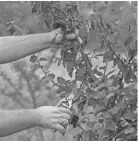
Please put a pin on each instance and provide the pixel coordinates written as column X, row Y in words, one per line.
column 53, row 117
column 59, row 36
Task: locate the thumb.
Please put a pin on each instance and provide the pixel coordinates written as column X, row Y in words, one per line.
column 57, row 31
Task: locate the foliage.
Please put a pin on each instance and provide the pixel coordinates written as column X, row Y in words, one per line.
column 105, row 101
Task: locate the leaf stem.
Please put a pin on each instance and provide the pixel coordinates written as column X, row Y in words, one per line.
column 54, row 83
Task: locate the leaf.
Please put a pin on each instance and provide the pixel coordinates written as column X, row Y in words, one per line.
column 34, row 10
column 35, row 67
column 134, row 91
column 128, row 115
column 51, row 75
column 110, row 124
column 102, row 9
column 127, row 131
column 59, row 61
column 127, row 78
column 125, row 70
column 80, row 106
column 62, row 95
column 43, row 78
column 102, row 68
column 101, row 54
column 93, row 93
column 90, row 134
column 63, row 89
column 79, row 72
column 110, row 72
column 43, row 59
column 97, row 72
column 116, row 82
column 78, row 138
column 33, row 58
column 128, row 41
column 100, row 120
column 92, row 102
column 108, row 56
column 114, row 110
column 67, row 89
column 91, row 124
column 70, row 66
column 61, row 80
column 107, row 132
column 60, row 90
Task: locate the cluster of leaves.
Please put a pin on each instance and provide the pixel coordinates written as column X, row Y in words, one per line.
column 101, row 95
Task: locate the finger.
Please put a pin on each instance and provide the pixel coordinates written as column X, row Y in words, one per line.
column 60, row 128
column 58, row 30
column 65, row 110
column 64, row 122
column 71, row 36
column 80, row 40
column 65, row 116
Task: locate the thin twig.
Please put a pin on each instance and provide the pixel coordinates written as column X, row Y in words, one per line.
column 82, row 128
column 87, row 61
column 105, row 70
column 113, row 51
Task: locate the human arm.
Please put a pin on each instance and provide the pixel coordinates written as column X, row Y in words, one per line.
column 13, row 48
column 48, row 117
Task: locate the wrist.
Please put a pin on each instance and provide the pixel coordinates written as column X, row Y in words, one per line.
column 36, row 118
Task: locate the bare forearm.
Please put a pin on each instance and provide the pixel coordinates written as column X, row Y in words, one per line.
column 16, row 121
column 16, row 47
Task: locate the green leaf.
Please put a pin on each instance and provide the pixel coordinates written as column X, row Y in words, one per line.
column 97, row 72
column 63, row 89
column 115, row 82
column 78, row 138
column 127, row 78
column 130, row 130
column 110, row 72
column 128, row 115
column 102, row 68
column 107, row 132
column 102, row 9
column 35, row 67
column 60, row 90
column 70, row 66
column 43, row 59
column 93, row 93
column 128, row 41
column 61, row 80
column 34, row 10
column 125, row 70
column 134, row 91
column 51, row 75
column 33, row 58
column 80, row 106
column 100, row 120
column 63, row 95
column 114, row 110
column 108, row 56
column 91, row 124
column 92, row 102
column 67, row 89
column 43, row 78
column 110, row 124
column 79, row 72
column 90, row 134
column 101, row 54
column 59, row 61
